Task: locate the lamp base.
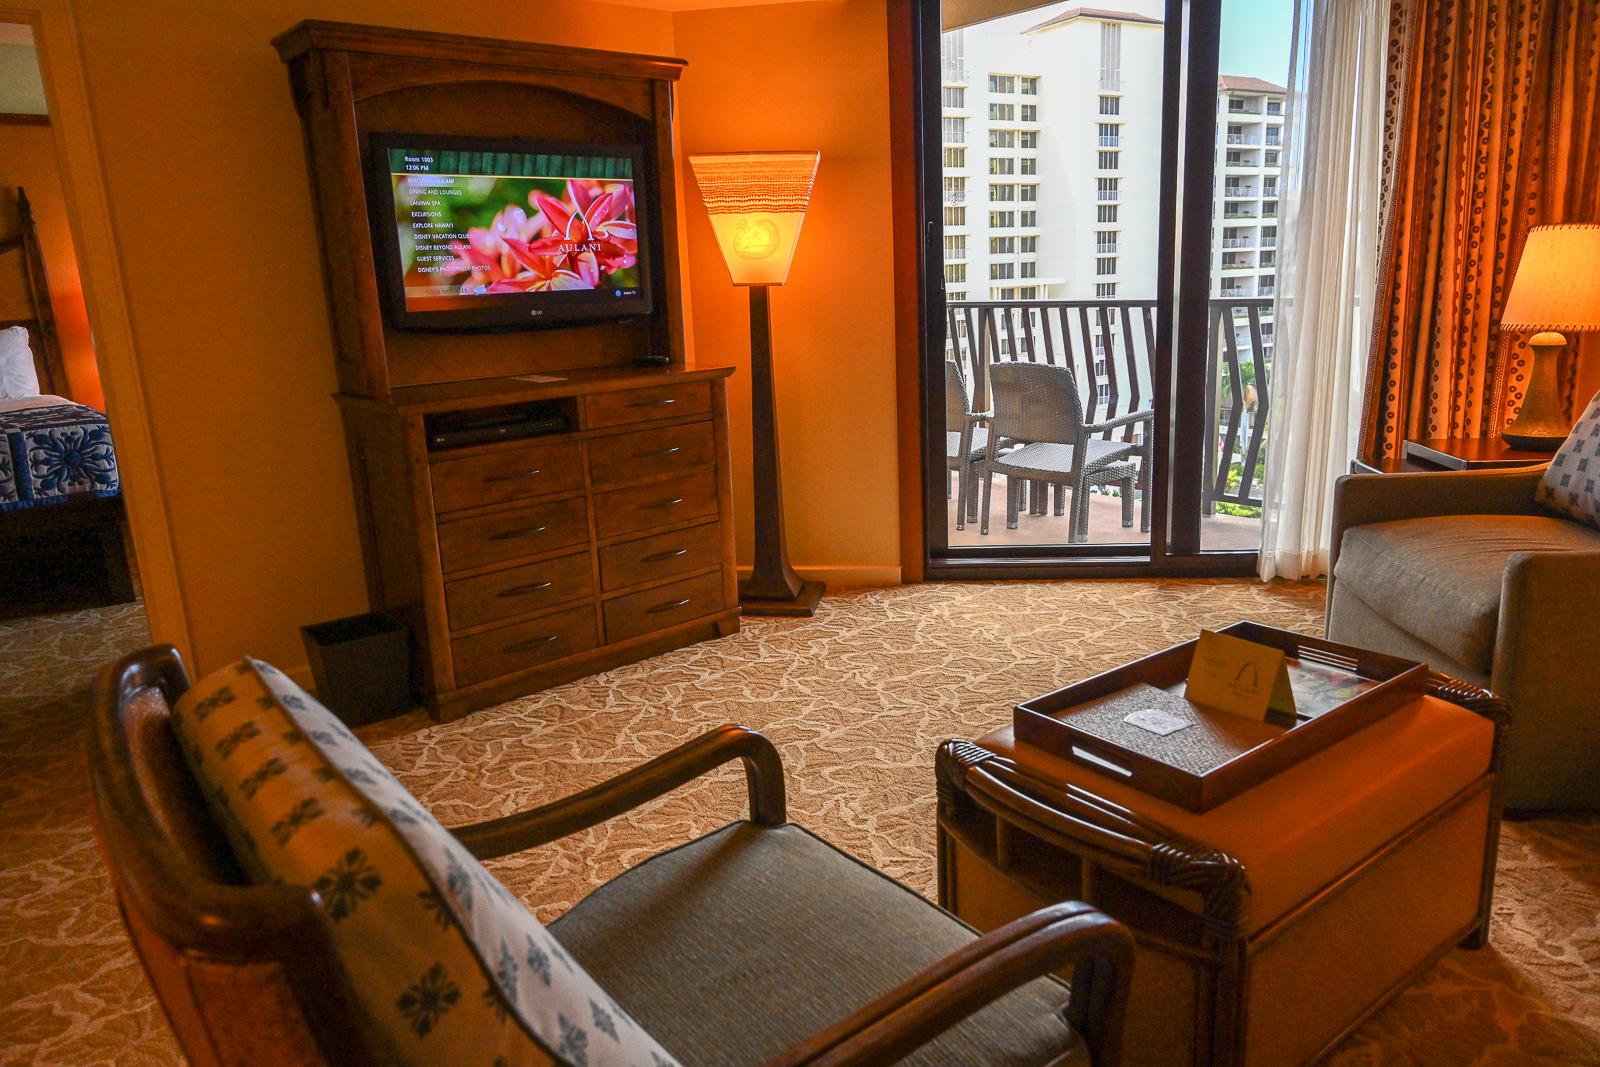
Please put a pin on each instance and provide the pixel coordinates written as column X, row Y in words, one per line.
column 1540, row 425
column 802, row 605
column 1532, row 443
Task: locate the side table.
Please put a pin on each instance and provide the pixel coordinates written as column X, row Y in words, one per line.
column 1451, row 454
column 1271, row 926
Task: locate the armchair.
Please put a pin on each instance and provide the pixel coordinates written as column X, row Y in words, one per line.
column 758, row 943
column 1464, row 572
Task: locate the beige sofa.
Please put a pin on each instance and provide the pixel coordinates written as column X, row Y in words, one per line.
column 1463, row 571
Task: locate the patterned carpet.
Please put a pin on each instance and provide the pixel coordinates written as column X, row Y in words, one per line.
column 855, row 699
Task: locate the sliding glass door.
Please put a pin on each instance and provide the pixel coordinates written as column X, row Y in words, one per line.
column 1093, row 367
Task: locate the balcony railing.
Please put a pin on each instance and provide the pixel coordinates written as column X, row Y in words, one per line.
column 1104, row 247
column 1109, row 141
column 955, row 196
column 1269, row 242
column 1238, row 242
column 1111, row 81
column 1236, row 405
column 1266, row 290
column 955, row 253
column 953, row 75
column 1107, row 194
column 1236, row 192
column 1243, row 138
column 1114, row 376
column 1232, row 110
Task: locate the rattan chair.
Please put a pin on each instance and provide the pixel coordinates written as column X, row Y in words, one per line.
column 1039, row 404
column 965, row 444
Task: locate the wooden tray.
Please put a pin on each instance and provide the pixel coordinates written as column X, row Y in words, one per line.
column 1227, row 754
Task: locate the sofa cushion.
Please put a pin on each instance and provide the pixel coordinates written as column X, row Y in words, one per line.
column 1439, row 578
column 1569, row 485
column 745, row 942
column 447, row 962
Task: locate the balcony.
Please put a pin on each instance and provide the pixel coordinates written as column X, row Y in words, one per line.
column 1269, row 242
column 1110, row 142
column 1238, row 266
column 1266, row 290
column 1104, row 343
column 952, row 75
column 1243, row 138
column 955, row 196
column 1238, row 242
column 1105, row 248
column 1107, row 195
column 1239, row 109
column 1111, row 82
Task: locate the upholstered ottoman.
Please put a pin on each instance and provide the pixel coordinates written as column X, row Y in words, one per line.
column 1273, row 924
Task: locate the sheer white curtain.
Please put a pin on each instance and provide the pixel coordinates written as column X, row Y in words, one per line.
column 1326, row 282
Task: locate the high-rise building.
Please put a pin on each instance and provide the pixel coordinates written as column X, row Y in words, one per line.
column 1051, row 153
column 1244, row 246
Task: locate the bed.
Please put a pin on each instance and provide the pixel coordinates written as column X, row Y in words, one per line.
column 61, row 509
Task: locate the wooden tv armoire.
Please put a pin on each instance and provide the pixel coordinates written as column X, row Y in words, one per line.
column 518, row 564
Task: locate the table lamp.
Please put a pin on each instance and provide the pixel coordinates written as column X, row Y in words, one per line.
column 757, row 202
column 1556, row 290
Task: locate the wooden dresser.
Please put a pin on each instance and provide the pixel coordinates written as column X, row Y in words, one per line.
column 518, row 564
column 522, row 564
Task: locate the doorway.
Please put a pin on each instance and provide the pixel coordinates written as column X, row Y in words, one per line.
column 1099, row 299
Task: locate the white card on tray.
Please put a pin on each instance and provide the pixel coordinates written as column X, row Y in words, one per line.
column 1156, row 721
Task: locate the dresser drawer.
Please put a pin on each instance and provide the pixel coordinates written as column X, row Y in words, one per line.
column 631, row 456
column 500, row 476
column 656, row 609
column 660, row 556
column 516, row 590
column 485, row 539
column 522, row 645
column 640, row 405
column 625, row 510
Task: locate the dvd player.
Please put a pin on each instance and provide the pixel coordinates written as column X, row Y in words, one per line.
column 457, row 429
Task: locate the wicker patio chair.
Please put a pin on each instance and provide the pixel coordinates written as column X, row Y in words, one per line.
column 1040, row 404
column 965, row 446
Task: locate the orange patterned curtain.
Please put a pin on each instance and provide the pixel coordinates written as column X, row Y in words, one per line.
column 1493, row 125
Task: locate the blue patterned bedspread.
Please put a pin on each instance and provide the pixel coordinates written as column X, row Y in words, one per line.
column 52, row 455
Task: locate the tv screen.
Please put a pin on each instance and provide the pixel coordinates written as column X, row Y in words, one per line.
column 479, row 232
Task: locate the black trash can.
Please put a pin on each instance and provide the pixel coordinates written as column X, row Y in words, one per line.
column 362, row 666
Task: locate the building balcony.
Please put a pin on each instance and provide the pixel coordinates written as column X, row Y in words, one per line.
column 1238, row 242
column 955, row 196
column 1239, row 192
column 1111, row 142
column 1269, row 242
column 953, row 75
column 1266, row 290
column 1238, row 266
column 1113, row 83
column 1105, row 249
column 1107, row 196
column 1243, row 138
column 1232, row 110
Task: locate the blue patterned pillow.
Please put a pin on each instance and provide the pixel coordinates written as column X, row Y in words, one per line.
column 1569, row 485
column 443, row 957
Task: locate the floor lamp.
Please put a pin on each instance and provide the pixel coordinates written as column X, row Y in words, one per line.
column 757, row 202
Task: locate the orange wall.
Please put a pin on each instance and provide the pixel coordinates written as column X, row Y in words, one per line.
column 28, row 159
column 212, row 211
column 802, row 76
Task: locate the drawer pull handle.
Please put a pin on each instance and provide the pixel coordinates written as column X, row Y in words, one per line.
column 659, row 556
column 524, row 590
column 526, row 645
column 666, row 503
column 663, row 452
column 524, row 532
column 511, row 477
column 653, row 404
column 668, row 607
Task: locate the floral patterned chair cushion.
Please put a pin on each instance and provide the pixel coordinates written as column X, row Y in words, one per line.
column 446, row 960
column 1569, row 485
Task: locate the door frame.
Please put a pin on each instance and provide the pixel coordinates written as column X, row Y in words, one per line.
column 1189, row 118
column 83, row 181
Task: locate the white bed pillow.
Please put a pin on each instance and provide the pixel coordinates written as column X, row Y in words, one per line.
column 18, row 379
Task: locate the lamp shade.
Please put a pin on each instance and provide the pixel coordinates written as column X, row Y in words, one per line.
column 1557, row 286
column 757, row 201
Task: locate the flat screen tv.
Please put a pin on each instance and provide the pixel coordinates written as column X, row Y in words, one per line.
column 487, row 233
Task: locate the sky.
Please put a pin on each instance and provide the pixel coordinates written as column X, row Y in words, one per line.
column 1255, row 39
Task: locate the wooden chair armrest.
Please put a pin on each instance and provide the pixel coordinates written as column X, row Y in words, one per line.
column 928, row 1004
column 763, row 773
